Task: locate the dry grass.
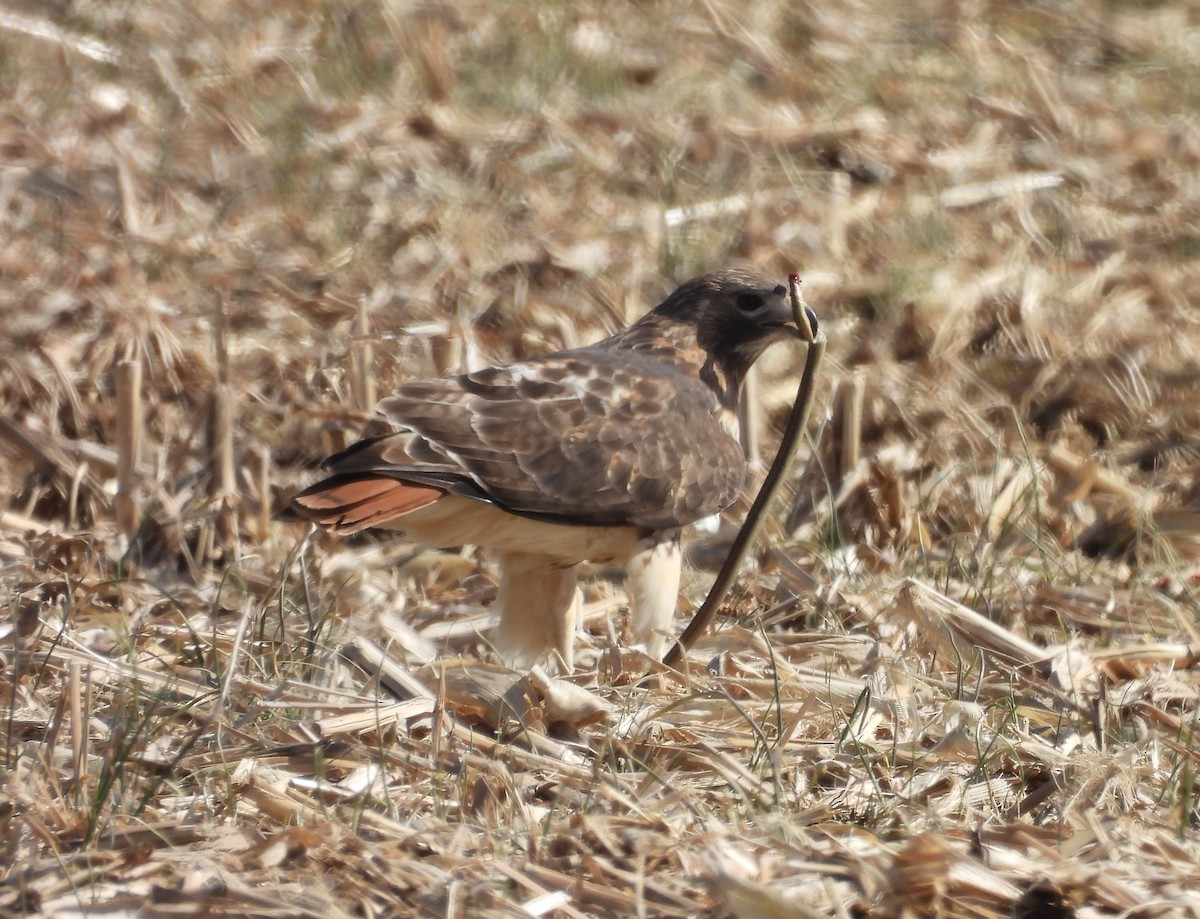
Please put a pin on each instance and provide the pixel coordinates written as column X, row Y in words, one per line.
column 963, row 677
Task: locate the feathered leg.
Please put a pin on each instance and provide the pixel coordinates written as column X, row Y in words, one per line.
column 652, row 584
column 538, row 605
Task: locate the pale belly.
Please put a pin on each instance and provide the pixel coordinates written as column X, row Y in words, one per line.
column 453, row 521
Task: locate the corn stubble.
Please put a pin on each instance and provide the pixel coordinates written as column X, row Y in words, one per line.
column 958, row 675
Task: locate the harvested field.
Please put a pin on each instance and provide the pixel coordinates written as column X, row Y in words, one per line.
column 960, row 675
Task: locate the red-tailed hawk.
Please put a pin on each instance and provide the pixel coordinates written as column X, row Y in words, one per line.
column 600, row 453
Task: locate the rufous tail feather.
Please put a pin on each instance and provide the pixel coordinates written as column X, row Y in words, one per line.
column 346, row 504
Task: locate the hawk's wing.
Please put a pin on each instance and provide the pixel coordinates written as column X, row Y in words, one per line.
column 587, row 437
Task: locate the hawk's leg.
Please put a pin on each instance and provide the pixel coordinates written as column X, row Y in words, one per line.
column 652, row 584
column 538, row 605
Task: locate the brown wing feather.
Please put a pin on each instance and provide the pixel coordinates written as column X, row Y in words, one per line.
column 349, row 503
column 587, row 437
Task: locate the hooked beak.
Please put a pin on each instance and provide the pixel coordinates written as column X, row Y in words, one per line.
column 787, row 325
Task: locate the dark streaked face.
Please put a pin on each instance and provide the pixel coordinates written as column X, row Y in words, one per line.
column 743, row 320
column 737, row 315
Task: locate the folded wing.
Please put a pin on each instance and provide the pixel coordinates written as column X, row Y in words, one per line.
column 587, row 437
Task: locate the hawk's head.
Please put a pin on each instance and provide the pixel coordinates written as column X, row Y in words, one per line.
column 736, row 314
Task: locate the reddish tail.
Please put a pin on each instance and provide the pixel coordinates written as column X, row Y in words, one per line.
column 349, row 503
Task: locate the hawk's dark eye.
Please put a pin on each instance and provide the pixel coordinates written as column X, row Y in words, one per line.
column 780, row 290
column 749, row 302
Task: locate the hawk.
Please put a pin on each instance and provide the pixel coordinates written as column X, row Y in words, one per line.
column 600, row 453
